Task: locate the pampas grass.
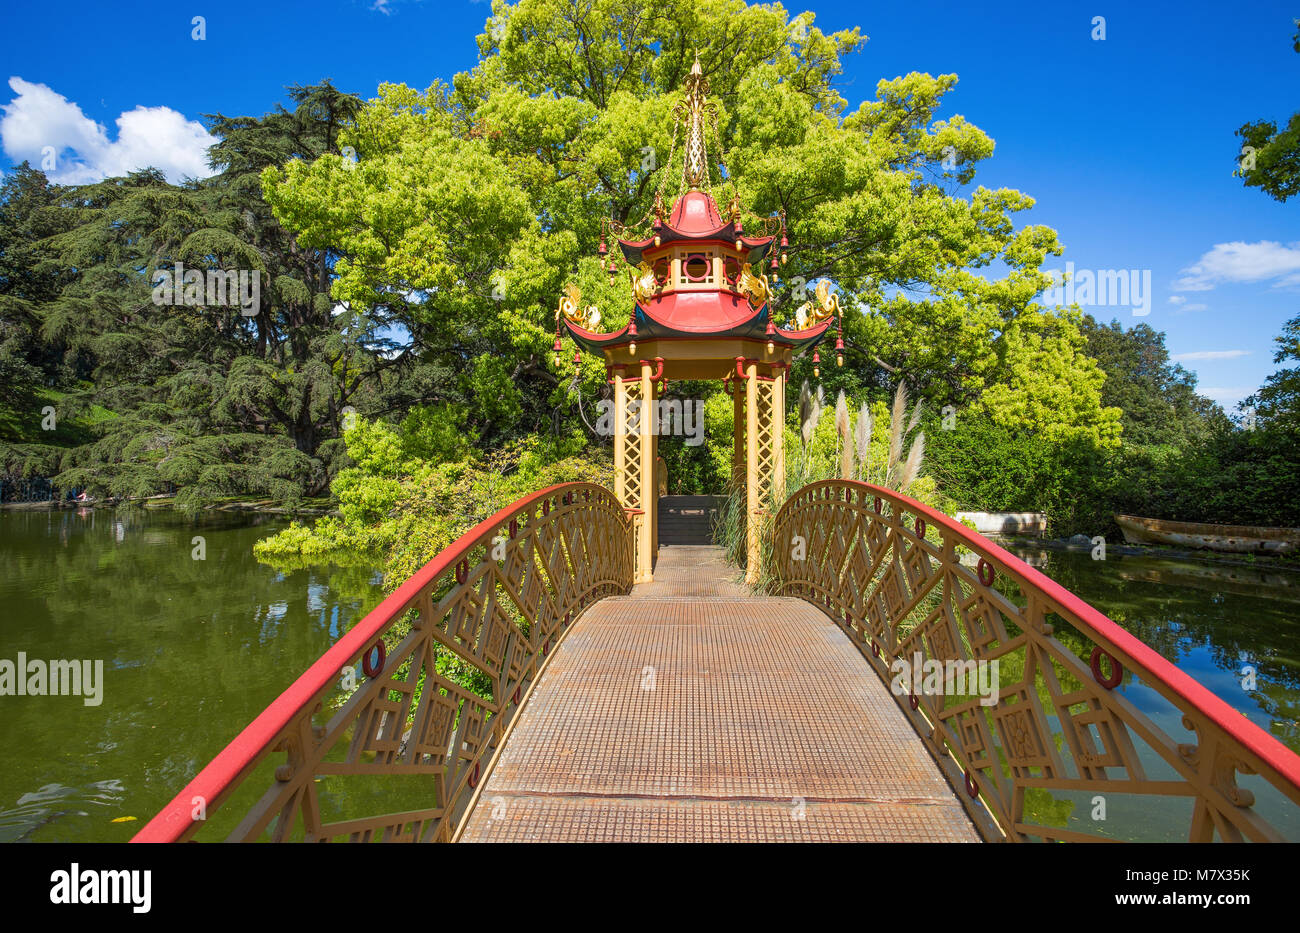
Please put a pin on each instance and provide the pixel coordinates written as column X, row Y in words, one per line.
column 852, row 459
column 862, row 439
column 896, row 419
column 900, row 474
column 912, row 468
column 842, row 430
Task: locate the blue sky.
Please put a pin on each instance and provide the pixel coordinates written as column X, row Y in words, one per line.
column 1126, row 143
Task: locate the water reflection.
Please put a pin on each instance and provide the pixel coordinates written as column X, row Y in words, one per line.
column 1220, row 623
column 192, row 651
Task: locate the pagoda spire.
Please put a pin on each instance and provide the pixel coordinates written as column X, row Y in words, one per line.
column 692, row 111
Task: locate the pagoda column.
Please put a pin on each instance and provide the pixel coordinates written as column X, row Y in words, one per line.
column 649, row 504
column 635, row 449
column 620, row 435
column 753, row 485
column 738, row 435
column 778, row 435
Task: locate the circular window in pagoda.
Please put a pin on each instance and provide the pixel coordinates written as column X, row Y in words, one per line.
column 697, row 267
column 731, row 269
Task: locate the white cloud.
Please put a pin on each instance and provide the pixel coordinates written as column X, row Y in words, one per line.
column 1176, row 299
column 1242, row 262
column 1227, row 396
column 160, row 137
column 1209, row 355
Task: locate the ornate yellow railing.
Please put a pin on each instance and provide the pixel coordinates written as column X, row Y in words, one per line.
column 448, row 660
column 1056, row 752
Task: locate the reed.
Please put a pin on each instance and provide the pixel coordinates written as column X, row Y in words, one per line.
column 843, row 430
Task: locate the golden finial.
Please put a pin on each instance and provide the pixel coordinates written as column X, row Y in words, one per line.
column 695, row 168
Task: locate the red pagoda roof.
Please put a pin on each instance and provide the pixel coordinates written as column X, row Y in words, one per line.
column 695, row 216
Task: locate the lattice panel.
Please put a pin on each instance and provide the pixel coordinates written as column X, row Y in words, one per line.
column 489, row 611
column 889, row 571
column 765, row 453
column 633, row 440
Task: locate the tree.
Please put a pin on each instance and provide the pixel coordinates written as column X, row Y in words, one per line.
column 1277, row 403
column 1270, row 159
column 470, row 206
column 209, row 397
column 1158, row 399
column 29, row 275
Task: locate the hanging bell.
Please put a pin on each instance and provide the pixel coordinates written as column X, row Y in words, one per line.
column 816, row 369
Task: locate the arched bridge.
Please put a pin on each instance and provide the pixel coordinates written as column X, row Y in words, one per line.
column 910, row 681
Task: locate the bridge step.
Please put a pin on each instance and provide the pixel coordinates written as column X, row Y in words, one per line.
column 693, row 711
column 688, row 520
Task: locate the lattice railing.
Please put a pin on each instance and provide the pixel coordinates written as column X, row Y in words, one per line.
column 1059, row 751
column 633, row 439
column 763, row 442
column 448, row 660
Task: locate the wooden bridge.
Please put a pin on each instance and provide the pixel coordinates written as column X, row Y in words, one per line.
column 521, row 688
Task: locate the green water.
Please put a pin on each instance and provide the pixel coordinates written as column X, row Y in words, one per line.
column 193, row 650
column 1235, row 628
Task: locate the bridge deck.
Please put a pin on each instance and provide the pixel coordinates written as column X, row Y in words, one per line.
column 691, row 711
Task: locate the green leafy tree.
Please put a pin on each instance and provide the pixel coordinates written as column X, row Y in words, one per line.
column 29, row 275
column 1158, row 398
column 1277, row 403
column 1270, row 158
column 208, row 397
column 471, row 205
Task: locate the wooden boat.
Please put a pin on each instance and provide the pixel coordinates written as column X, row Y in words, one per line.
column 1235, row 539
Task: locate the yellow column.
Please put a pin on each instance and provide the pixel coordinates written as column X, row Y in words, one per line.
column 753, row 503
column 649, row 491
column 778, row 437
column 738, row 435
column 620, row 439
column 652, row 496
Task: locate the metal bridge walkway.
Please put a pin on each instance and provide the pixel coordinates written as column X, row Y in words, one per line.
column 692, row 711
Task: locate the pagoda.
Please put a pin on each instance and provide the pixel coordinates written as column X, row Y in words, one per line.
column 702, row 309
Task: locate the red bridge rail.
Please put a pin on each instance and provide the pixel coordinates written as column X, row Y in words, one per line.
column 448, row 658
column 889, row 571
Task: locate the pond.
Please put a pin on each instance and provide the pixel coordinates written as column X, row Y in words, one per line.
column 193, row 649
column 1234, row 627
